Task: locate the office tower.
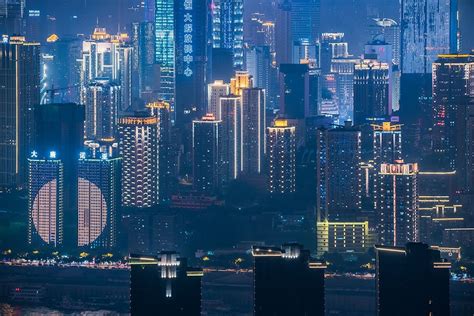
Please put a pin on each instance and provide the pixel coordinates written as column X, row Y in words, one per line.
column 103, row 99
column 259, row 66
column 389, row 29
column 145, row 71
column 240, row 81
column 165, row 47
column 62, row 73
column 19, row 92
column 387, row 143
column 268, row 30
column 306, row 52
column 342, row 236
column 411, row 280
column 98, row 200
column 191, row 58
column 166, row 151
column 371, row 91
column 281, row 155
column 215, row 91
column 294, row 90
column 228, row 28
column 332, row 46
column 45, row 200
column 253, row 129
column 305, row 20
column 466, row 23
column 232, row 145
column 139, row 149
column 396, row 203
column 164, row 284
column 107, row 56
column 207, row 154
column 59, row 127
column 12, row 17
column 283, row 34
column 343, row 68
column 428, row 29
column 339, row 178
column 287, row 281
column 453, row 97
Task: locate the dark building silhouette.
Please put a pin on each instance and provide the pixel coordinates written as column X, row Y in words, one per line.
column 59, row 127
column 287, row 281
column 411, row 281
column 294, row 90
column 164, row 285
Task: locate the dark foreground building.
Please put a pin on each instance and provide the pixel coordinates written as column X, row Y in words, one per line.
column 164, row 285
column 412, row 281
column 287, row 281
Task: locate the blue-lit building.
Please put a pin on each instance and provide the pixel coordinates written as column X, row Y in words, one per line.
column 165, row 47
column 191, row 59
column 305, row 20
column 228, row 28
column 98, row 200
column 428, row 28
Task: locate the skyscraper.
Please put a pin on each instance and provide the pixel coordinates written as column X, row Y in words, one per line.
column 343, row 68
column 98, row 200
column 103, row 99
column 428, row 28
column 287, row 281
column 59, row 128
column 283, row 33
column 45, row 200
column 281, row 155
column 139, row 149
column 411, row 280
column 387, row 143
column 253, row 130
column 453, row 104
column 228, row 28
column 107, row 56
column 166, row 151
column 339, row 176
column 19, row 93
column 294, row 90
column 12, row 17
column 371, row 91
column 165, row 47
column 232, row 145
column 215, row 91
column 166, row 284
column 305, row 20
column 259, row 65
column 396, row 203
column 191, row 58
column 207, row 154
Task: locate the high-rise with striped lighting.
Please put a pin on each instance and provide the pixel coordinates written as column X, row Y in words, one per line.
column 240, row 81
column 103, row 99
column 45, row 200
column 232, row 146
column 207, row 154
column 281, row 155
column 19, row 93
column 139, row 149
column 98, row 200
column 396, row 203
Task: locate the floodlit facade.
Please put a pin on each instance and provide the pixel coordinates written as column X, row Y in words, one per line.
column 215, row 91
column 281, row 155
column 139, row 149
